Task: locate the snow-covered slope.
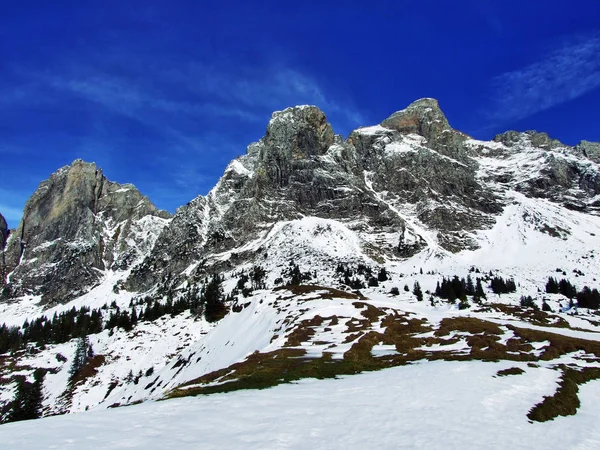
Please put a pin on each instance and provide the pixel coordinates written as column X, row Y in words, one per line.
column 434, row 405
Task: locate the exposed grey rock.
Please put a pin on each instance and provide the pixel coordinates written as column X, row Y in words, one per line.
column 590, row 150
column 539, row 140
column 297, row 169
column 423, row 117
column 3, row 238
column 3, row 232
column 75, row 225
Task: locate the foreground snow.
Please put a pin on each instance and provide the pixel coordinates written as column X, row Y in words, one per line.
column 430, row 405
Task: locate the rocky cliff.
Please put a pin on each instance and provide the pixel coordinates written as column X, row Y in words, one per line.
column 77, row 225
column 411, row 176
column 3, row 232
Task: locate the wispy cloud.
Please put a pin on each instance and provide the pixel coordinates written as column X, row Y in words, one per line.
column 564, row 74
column 196, row 117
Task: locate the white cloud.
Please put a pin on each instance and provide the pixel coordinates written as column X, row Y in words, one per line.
column 564, row 74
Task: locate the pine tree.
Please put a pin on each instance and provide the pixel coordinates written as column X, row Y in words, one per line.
column 257, row 277
column 551, row 286
column 417, row 291
column 479, row 292
column 213, row 300
column 82, row 353
column 382, row 275
column 470, row 287
column 27, row 402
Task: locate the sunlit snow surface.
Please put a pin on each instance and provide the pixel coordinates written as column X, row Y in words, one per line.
column 431, row 405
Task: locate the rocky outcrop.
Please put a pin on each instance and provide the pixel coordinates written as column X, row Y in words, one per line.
column 547, row 168
column 76, row 225
column 299, row 168
column 590, row 150
column 3, row 232
column 413, row 163
column 3, row 238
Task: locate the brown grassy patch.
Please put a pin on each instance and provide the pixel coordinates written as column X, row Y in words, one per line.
column 565, row 400
column 559, row 344
column 371, row 313
column 353, row 325
column 510, row 371
column 533, row 316
column 482, row 343
column 89, row 370
column 352, row 337
column 467, row 325
column 303, row 332
column 361, row 350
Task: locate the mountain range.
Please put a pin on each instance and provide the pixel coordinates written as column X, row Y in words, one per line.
column 314, row 256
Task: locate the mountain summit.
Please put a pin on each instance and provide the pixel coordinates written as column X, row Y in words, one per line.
column 75, row 226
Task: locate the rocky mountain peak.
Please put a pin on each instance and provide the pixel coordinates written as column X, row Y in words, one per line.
column 299, row 132
column 75, row 224
column 423, row 117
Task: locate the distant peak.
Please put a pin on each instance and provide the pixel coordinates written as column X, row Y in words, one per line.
column 301, row 130
column 422, row 116
column 425, row 102
column 295, row 113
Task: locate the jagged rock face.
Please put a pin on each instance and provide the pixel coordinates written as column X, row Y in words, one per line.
column 590, row 150
column 415, row 157
column 3, row 232
column 413, row 164
column 76, row 225
column 299, row 168
column 547, row 168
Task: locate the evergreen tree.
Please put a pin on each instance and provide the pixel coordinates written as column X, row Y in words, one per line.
column 588, row 298
column 257, row 277
column 27, row 402
column 417, row 291
column 214, row 306
column 382, row 275
column 552, row 286
column 567, row 289
column 470, row 287
column 479, row 292
column 82, row 353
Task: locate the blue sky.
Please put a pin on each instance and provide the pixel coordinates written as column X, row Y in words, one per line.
column 164, row 94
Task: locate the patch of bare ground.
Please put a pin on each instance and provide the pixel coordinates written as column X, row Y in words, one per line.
column 510, row 371
column 565, row 400
column 531, row 315
column 414, row 341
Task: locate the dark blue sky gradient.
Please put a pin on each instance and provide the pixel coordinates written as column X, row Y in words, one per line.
column 164, row 94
